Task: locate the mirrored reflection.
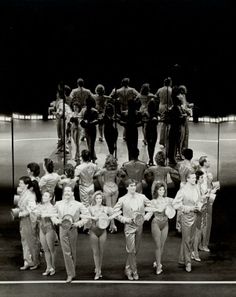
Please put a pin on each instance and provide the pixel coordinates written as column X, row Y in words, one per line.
column 5, row 154
column 203, row 140
column 227, row 153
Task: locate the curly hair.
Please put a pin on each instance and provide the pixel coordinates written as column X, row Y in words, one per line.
column 160, row 158
column 93, row 201
column 49, row 165
column 110, row 163
column 157, row 186
column 69, row 171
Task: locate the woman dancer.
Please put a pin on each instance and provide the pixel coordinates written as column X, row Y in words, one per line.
column 75, row 130
column 160, row 170
column 101, row 101
column 47, row 234
column 89, row 121
column 110, row 130
column 49, row 180
column 109, row 175
column 160, row 225
column 97, row 235
column 142, row 100
column 150, row 120
column 85, row 173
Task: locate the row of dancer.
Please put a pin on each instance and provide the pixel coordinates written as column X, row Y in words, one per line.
column 84, row 110
column 191, row 201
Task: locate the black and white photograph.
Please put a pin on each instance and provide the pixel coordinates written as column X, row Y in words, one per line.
column 117, row 148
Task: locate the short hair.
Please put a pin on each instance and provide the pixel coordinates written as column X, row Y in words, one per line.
column 86, row 155
column 167, row 81
column 198, row 174
column 80, row 82
column 93, row 200
column 160, row 158
column 183, row 89
column 130, row 181
column 111, row 163
column 202, row 160
column 125, row 82
column 69, row 170
column 99, row 87
column 188, row 153
column 49, row 165
column 27, row 181
column 152, row 108
column 34, row 168
column 189, row 173
column 67, row 90
column 90, row 102
column 157, row 186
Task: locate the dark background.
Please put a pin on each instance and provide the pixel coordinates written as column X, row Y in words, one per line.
column 46, row 41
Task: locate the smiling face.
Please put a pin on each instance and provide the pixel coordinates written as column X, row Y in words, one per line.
column 67, row 193
column 22, row 186
column 161, row 191
column 131, row 188
column 192, row 179
column 46, row 197
column 98, row 199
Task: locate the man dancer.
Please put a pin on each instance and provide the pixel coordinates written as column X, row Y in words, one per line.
column 68, row 206
column 124, row 94
column 131, row 204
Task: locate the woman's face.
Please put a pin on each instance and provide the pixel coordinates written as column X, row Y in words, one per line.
column 98, row 199
column 201, row 179
column 46, row 197
column 161, row 192
column 132, row 188
column 22, row 186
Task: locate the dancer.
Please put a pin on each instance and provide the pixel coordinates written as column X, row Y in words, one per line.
column 160, row 170
column 69, row 210
column 110, row 180
column 89, row 121
column 110, row 129
column 142, row 101
column 177, row 120
column 98, row 235
column 79, row 95
column 163, row 95
column 28, row 230
column 33, row 171
column 47, row 234
column 150, row 120
column 187, row 200
column 132, row 206
column 131, row 120
column 85, row 173
column 135, row 169
column 50, row 179
column 160, row 226
column 124, row 95
column 75, row 130
column 101, row 101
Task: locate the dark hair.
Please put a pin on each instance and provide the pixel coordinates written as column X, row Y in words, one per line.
column 198, row 174
column 69, row 171
column 85, row 155
column 152, row 108
column 167, row 81
column 125, row 82
column 90, row 102
column 145, row 88
column 202, row 160
column 109, row 109
column 67, row 90
column 27, row 181
column 80, row 82
column 160, row 158
column 110, row 163
column 49, row 165
column 34, row 168
column 188, row 153
column 174, row 95
column 157, row 186
column 130, row 181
